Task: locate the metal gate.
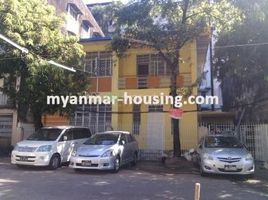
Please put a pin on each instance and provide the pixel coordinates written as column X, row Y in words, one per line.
column 6, row 126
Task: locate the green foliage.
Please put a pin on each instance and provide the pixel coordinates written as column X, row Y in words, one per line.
column 34, row 25
column 245, row 67
column 106, row 15
column 168, row 25
column 120, row 45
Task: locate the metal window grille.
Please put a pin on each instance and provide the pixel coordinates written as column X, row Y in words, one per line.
column 5, row 125
column 99, row 63
column 96, row 117
column 155, row 108
column 136, row 119
column 157, row 65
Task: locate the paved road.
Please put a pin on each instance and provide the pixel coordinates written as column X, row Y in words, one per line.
column 128, row 184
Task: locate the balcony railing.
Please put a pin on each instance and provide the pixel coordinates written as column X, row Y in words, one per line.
column 143, row 82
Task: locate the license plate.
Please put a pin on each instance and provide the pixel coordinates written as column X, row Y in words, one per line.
column 230, row 167
column 86, row 163
column 23, row 158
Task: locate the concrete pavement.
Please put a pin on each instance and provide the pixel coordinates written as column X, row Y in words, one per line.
column 129, row 184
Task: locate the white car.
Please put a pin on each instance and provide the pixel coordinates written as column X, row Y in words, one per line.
column 106, row 151
column 224, row 154
column 49, row 146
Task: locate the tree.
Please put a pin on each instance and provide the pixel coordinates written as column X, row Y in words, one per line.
column 34, row 25
column 106, row 16
column 245, row 66
column 166, row 26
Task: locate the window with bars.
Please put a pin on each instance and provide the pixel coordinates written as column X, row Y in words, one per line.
column 96, row 117
column 99, row 63
column 155, row 108
column 158, row 66
column 136, row 119
column 152, row 64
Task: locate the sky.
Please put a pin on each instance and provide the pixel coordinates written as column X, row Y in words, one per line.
column 101, row 1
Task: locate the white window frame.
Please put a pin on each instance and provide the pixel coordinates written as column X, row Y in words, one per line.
column 94, row 60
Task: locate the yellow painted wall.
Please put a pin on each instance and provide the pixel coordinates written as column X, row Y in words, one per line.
column 126, row 66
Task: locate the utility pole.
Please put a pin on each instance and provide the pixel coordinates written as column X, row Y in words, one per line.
column 211, row 67
column 211, row 60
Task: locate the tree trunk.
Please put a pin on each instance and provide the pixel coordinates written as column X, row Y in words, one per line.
column 37, row 120
column 175, row 122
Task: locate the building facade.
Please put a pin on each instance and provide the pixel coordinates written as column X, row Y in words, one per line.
column 140, row 72
column 78, row 21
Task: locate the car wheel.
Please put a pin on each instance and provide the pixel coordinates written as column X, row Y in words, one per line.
column 116, row 164
column 54, row 162
column 135, row 159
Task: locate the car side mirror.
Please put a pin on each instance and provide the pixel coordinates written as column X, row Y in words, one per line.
column 122, row 142
column 65, row 138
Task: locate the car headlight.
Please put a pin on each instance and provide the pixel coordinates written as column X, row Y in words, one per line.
column 44, row 148
column 108, row 153
column 207, row 157
column 249, row 157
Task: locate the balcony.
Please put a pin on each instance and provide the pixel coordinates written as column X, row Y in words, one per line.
column 144, row 82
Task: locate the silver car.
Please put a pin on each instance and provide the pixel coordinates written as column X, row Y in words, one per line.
column 224, row 154
column 106, row 151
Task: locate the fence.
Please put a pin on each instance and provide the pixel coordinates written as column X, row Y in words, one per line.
column 254, row 136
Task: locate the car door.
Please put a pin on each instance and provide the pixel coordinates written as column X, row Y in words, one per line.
column 65, row 145
column 125, row 148
column 131, row 147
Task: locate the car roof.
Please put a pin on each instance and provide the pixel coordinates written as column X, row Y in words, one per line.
column 113, row 132
column 63, row 127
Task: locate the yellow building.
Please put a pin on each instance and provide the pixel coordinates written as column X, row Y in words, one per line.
column 139, row 72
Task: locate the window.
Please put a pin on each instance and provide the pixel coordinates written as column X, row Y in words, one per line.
column 73, row 25
column 143, row 65
column 6, row 125
column 85, row 31
column 158, row 66
column 96, row 117
column 81, row 133
column 152, row 64
column 99, row 63
column 72, row 12
column 136, row 119
column 69, row 134
column 155, row 108
column 130, row 138
column 123, row 138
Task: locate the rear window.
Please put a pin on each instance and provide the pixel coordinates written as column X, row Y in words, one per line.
column 103, row 139
column 222, row 142
column 45, row 134
column 81, row 133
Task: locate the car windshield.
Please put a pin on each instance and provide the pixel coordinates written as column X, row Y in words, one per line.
column 222, row 142
column 103, row 139
column 45, row 134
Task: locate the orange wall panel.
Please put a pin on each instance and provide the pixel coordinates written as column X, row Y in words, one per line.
column 153, row 82
column 131, row 83
column 55, row 120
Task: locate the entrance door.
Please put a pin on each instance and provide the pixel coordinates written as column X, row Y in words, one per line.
column 155, row 131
